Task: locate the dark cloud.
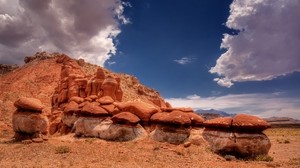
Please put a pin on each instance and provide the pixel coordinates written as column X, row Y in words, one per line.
column 79, row 28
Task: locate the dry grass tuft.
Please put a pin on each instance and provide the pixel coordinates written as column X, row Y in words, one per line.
column 62, row 149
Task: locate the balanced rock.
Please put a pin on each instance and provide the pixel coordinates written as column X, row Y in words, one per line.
column 31, row 104
column 241, row 136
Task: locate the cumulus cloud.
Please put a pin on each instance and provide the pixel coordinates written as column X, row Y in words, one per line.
column 184, row 60
column 81, row 29
column 262, row 105
column 266, row 45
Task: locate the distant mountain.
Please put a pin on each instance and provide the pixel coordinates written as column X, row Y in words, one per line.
column 212, row 113
column 283, row 122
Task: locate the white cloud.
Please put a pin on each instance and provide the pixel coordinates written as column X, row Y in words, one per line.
column 184, row 60
column 111, row 63
column 83, row 30
column 263, row 105
column 267, row 45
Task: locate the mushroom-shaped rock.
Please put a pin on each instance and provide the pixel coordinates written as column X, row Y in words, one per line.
column 71, row 107
column 31, row 104
column 92, row 109
column 105, row 100
column 196, row 119
column 126, row 118
column 143, row 110
column 249, row 122
column 221, row 122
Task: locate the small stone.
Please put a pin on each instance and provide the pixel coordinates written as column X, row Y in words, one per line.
column 187, row 144
column 37, row 140
column 27, row 141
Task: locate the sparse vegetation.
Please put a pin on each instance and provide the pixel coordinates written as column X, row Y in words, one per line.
column 265, row 158
column 295, row 161
column 62, row 149
column 284, row 141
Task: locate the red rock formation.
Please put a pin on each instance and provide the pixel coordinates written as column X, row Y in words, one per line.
column 248, row 122
column 126, row 118
column 143, row 110
column 30, row 104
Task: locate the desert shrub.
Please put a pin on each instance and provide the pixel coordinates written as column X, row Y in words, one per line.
column 265, row 158
column 294, row 161
column 62, row 149
column 285, row 141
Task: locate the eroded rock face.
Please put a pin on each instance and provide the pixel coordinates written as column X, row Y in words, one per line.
column 107, row 130
column 170, row 134
column 30, row 123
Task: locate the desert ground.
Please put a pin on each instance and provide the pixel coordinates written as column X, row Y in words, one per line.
column 67, row 151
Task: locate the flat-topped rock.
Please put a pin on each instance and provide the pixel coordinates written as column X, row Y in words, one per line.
column 249, row 122
column 173, row 118
column 32, row 104
column 221, row 122
column 196, row 119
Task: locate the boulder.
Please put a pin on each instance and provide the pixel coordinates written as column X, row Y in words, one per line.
column 71, row 107
column 249, row 123
column 30, row 123
column 170, row 134
column 107, row 130
column 221, row 142
column 77, row 99
column 92, row 109
column 126, row 118
column 221, row 122
column 237, row 144
column 109, row 108
column 105, row 100
column 143, row 110
column 196, row 119
column 31, row 104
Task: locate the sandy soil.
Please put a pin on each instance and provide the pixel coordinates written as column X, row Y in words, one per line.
column 66, row 151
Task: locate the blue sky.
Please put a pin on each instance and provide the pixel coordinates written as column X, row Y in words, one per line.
column 171, row 47
column 237, row 56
